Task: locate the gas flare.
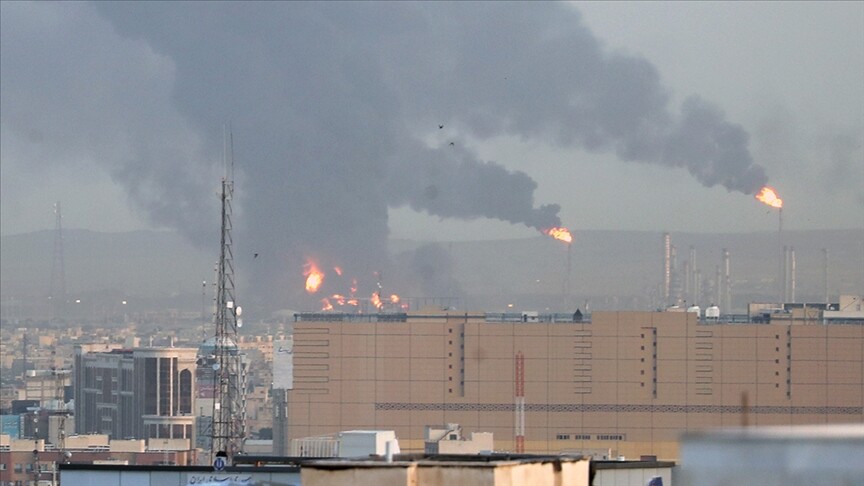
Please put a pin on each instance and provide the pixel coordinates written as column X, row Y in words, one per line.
column 559, row 233
column 394, row 299
column 769, row 196
column 314, row 276
column 326, row 305
column 376, row 300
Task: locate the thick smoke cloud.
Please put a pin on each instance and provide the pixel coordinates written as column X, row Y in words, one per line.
column 333, row 106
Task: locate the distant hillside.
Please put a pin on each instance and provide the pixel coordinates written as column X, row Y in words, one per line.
column 148, row 263
column 609, row 269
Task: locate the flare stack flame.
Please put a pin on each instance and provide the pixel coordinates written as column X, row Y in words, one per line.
column 560, row 233
column 768, row 196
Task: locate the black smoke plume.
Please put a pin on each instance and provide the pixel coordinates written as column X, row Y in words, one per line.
column 334, row 105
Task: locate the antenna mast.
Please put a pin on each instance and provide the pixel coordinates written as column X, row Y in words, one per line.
column 229, row 402
column 57, row 293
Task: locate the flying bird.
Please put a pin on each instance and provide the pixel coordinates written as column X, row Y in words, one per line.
column 440, row 127
column 452, row 144
column 254, row 256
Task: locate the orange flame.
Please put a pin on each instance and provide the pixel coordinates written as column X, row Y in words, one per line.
column 314, row 277
column 769, row 196
column 326, row 305
column 340, row 299
column 353, row 302
column 394, row 299
column 560, row 233
column 376, row 300
column 338, row 270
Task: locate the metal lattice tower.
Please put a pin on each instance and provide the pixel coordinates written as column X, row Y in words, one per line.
column 57, row 293
column 229, row 401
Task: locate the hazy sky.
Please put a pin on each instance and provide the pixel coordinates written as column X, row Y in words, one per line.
column 116, row 110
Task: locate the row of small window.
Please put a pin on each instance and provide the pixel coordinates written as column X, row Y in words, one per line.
column 26, row 467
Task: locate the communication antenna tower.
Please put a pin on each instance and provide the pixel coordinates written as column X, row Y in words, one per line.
column 229, row 401
column 57, row 293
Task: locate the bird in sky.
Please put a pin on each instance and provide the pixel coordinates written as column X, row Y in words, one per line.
column 255, row 256
column 440, row 127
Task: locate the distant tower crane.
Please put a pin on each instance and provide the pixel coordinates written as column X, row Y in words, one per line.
column 229, row 401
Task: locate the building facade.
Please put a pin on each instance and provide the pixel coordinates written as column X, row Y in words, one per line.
column 140, row 393
column 628, row 381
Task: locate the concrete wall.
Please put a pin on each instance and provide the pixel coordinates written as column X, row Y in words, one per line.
column 631, row 382
column 433, row 473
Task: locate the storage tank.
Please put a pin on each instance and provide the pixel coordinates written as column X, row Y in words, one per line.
column 712, row 312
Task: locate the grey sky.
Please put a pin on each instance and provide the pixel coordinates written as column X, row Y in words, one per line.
column 609, row 115
column 791, row 74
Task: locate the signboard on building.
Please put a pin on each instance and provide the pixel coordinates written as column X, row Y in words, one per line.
column 9, row 425
column 283, row 364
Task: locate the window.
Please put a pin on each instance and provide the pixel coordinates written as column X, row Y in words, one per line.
column 185, row 397
column 150, row 373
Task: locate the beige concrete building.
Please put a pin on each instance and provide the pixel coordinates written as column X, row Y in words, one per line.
column 628, row 381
